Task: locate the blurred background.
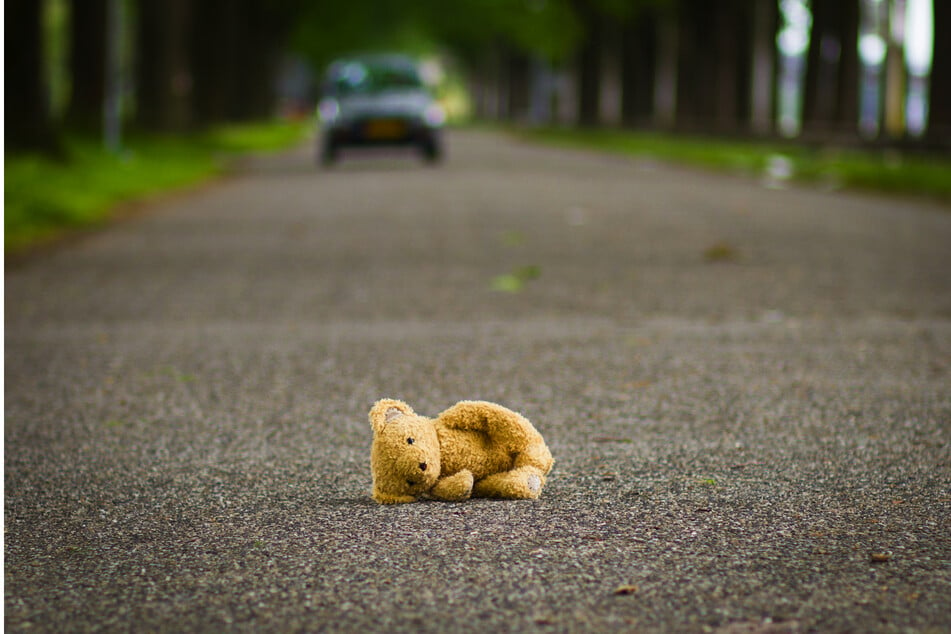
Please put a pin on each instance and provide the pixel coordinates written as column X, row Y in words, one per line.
column 842, row 71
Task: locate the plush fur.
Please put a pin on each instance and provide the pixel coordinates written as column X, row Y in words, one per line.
column 474, row 448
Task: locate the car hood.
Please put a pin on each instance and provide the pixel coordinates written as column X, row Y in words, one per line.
column 388, row 103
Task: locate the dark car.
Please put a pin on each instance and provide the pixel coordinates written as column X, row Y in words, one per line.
column 373, row 100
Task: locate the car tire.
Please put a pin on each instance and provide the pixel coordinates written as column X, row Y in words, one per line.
column 328, row 153
column 432, row 152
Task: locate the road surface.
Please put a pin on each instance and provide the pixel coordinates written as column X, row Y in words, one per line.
column 747, row 392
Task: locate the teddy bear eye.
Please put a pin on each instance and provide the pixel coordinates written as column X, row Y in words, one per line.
column 410, row 441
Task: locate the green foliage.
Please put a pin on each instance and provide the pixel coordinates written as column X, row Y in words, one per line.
column 325, row 30
column 43, row 198
column 467, row 28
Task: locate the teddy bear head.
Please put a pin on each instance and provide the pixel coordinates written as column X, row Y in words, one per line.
column 404, row 458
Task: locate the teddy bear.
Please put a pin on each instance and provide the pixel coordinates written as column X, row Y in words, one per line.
column 473, row 449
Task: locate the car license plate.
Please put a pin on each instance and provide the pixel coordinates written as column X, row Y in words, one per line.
column 385, row 129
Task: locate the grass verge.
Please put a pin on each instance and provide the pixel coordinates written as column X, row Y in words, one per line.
column 885, row 171
column 44, row 199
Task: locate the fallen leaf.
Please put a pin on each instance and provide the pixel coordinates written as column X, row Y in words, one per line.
column 529, row 272
column 513, row 238
column 626, row 589
column 507, row 283
column 514, row 282
column 721, row 252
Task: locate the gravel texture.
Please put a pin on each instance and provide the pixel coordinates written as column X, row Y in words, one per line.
column 747, row 392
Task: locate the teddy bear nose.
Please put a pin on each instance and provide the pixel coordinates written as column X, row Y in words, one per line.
column 422, row 466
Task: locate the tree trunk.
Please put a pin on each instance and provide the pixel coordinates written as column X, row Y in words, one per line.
column 847, row 102
column 164, row 77
column 763, row 67
column 589, row 67
column 27, row 122
column 831, row 86
column 486, row 80
column 257, row 59
column 666, row 76
column 518, row 76
column 734, row 49
column 609, row 79
column 817, row 102
column 215, row 43
column 939, row 109
column 697, row 86
column 727, row 53
column 638, row 68
column 87, row 63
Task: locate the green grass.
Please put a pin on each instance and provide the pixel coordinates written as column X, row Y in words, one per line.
column 887, row 171
column 255, row 137
column 43, row 199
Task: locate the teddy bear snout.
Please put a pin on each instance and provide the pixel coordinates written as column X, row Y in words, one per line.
column 422, row 466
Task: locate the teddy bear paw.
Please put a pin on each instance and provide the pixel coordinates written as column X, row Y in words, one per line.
column 534, row 483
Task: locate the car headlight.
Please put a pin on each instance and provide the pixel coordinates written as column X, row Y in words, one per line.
column 328, row 109
column 434, row 115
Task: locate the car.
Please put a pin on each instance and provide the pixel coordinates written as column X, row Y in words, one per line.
column 378, row 100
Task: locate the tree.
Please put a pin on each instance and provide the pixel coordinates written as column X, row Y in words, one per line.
column 831, row 85
column 939, row 112
column 164, row 78
column 715, row 60
column 639, row 59
column 215, row 41
column 264, row 29
column 763, row 67
column 588, row 63
column 847, row 98
column 496, row 41
column 27, row 122
column 696, row 64
column 87, row 64
column 734, row 52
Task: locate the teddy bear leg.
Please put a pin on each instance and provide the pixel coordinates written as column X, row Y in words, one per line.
column 535, row 455
column 454, row 488
column 524, row 483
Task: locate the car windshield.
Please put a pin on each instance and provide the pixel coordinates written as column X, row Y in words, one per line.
column 360, row 77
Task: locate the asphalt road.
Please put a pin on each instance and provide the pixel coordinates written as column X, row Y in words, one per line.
column 747, row 392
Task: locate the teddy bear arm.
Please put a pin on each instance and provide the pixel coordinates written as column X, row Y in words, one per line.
column 392, row 498
column 454, row 488
column 498, row 422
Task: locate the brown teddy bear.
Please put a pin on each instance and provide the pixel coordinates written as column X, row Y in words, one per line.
column 474, row 448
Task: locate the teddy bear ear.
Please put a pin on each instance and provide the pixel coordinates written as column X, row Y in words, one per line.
column 386, row 411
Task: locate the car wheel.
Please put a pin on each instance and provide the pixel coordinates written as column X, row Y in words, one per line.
column 328, row 153
column 431, row 151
